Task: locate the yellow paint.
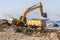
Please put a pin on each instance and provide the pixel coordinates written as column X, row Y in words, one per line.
column 34, row 22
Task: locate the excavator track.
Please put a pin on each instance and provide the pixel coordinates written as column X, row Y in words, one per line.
column 29, row 30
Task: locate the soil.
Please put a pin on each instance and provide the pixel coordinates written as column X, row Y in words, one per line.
column 8, row 32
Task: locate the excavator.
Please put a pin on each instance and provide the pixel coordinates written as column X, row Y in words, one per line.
column 31, row 23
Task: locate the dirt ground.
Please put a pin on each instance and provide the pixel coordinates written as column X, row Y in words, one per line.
column 8, row 32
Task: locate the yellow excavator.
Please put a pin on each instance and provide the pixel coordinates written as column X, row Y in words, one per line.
column 24, row 22
column 29, row 22
column 23, row 17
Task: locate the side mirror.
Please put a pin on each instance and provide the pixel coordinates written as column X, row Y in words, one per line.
column 45, row 15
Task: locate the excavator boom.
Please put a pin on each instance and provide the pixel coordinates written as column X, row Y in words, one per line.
column 33, row 8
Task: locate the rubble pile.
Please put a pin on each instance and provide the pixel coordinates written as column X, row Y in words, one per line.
column 8, row 32
column 20, row 36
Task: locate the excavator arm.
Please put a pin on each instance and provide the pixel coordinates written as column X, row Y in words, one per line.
column 33, row 8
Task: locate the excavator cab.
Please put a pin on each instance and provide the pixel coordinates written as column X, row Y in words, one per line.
column 24, row 21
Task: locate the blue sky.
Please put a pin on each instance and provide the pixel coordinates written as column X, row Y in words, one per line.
column 16, row 8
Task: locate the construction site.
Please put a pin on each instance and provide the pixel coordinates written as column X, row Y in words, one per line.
column 29, row 29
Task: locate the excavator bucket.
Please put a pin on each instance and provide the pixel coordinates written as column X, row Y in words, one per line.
column 45, row 15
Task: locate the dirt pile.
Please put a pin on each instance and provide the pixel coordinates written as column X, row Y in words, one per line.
column 8, row 32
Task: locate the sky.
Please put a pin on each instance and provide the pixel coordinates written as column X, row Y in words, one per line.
column 16, row 8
